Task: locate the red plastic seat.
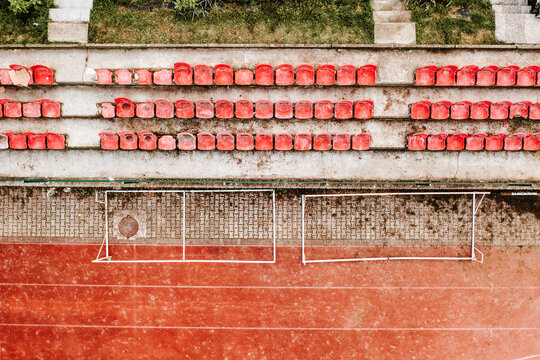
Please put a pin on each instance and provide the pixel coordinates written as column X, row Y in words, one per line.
column 322, row 142
column 163, row 77
column 31, row 109
column 486, row 75
column 446, row 75
column 183, row 74
column 204, row 109
column 36, row 141
column 184, row 109
column 507, row 75
column 147, row 140
column 284, row 109
column 361, row 141
column 341, row 142
column 499, row 110
column 520, row 109
column 225, row 141
column 495, row 142
column 302, row 142
column 206, row 141
column 456, row 142
column 264, row 74
column 534, row 111
column 303, row 109
column 164, row 109
column 425, row 76
column 17, row 141
column 42, row 75
column 108, row 110
column 123, row 77
column 480, row 110
column 145, row 110
column 109, row 140
column 305, row 75
column 515, row 142
column 460, row 110
column 125, row 108
column 420, row 110
column 203, row 74
column 243, row 77
column 417, row 142
column 264, row 141
column 326, row 75
column 324, row 109
column 264, row 109
column 104, row 76
column 244, row 109
column 284, row 74
column 19, row 67
column 186, row 141
column 343, row 109
column 283, row 142
column 55, row 141
column 12, row 109
column 5, row 79
column 224, row 109
column 475, row 142
column 466, row 76
column 244, row 142
column 346, row 75
column 143, row 77
column 440, row 110
column 437, row 142
column 366, row 75
column 532, row 142
column 128, row 140
column 363, row 109
column 527, row 76
column 223, row 74
column 167, row 142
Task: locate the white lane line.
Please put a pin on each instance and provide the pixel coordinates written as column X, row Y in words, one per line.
column 537, row 356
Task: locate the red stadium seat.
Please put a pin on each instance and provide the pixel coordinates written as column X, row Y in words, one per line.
column 224, row 109
column 420, row 110
column 466, row 76
column 437, row 142
column 475, row 142
column 322, row 142
column 167, row 142
column 223, row 74
column 109, row 140
column 446, row 75
column 183, row 74
column 303, row 109
column 264, row 109
column 204, row 109
column 244, row 142
column 284, row 109
column 366, row 75
column 507, row 75
column 460, row 110
column 425, row 76
column 486, row 75
column 145, row 110
column 343, row 109
column 534, row 111
column 363, row 109
column 186, row 141
column 36, row 141
column 12, row 109
column 527, row 76
column 264, row 74
column 302, row 142
column 305, row 75
column 244, row 109
column 17, row 141
column 164, row 109
column 225, row 141
column 341, row 142
column 440, row 110
column 361, row 141
column 283, row 142
column 30, row 72
column 108, row 110
column 324, row 109
column 43, row 75
column 125, row 108
column 346, row 75
column 184, row 109
column 456, row 142
column 284, row 74
column 520, row 109
column 495, row 142
column 417, row 142
column 5, row 79
column 203, row 74
column 128, row 140
column 31, row 109
column 532, row 142
column 515, row 142
column 480, row 110
column 326, row 74
column 4, row 142
column 243, row 77
column 264, row 141
column 163, row 77
column 147, row 140
column 206, row 141
column 499, row 110
column 55, row 141
column 104, row 76
column 123, row 77
column 143, row 77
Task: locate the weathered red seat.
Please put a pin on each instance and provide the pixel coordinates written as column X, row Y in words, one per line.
column 244, row 142
column 326, row 75
column 147, row 140
column 322, row 142
column 495, row 142
column 506, row 76
column 43, row 75
column 417, row 142
column 264, row 141
column 145, row 110
column 186, row 141
column 128, row 140
column 532, row 142
column 440, row 110
column 425, row 76
column 366, row 74
column 264, row 74
column 361, row 141
column 167, row 142
column 224, row 109
column 104, row 76
column 17, row 141
column 303, row 109
column 437, row 142
column 283, row 109
column 143, row 77
column 12, row 109
column 520, row 109
column 346, row 75
column 36, row 141
column 244, row 109
column 446, row 75
column 185, row 109
column 203, row 74
column 163, row 77
column 164, row 109
column 55, row 141
column 108, row 110
column 486, row 75
column 534, row 111
column 223, row 74
column 264, row 109
column 456, row 142
column 5, row 79
column 125, row 108
column 183, row 74
column 343, row 109
column 480, row 110
column 527, row 76
column 31, row 109
column 123, row 77
column 204, row 109
column 324, row 109
column 466, row 76
column 17, row 67
column 284, row 74
column 514, row 142
column 305, row 75
column 363, row 109
column 341, row 142
column 420, row 110
column 225, row 141
column 243, row 77
column 283, row 142
column 475, row 142
column 109, row 140
column 302, row 142
column 206, row 141
column 460, row 110
column 499, row 110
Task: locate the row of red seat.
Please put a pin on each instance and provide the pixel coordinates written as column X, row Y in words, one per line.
column 476, row 142
column 223, row 74
column 242, row 109
column 471, row 75
column 39, row 108
column 30, row 140
column 478, row 111
column 39, row 74
column 145, row 140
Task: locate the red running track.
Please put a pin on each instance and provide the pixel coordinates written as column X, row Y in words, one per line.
column 56, row 304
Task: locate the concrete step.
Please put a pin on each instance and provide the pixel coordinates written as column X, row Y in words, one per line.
column 511, row 9
column 510, row 2
column 68, row 32
column 81, row 4
column 395, row 33
column 517, row 28
column 70, row 15
column 388, row 6
column 391, row 16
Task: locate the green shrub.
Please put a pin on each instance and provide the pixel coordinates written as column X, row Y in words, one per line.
column 23, row 7
column 194, row 8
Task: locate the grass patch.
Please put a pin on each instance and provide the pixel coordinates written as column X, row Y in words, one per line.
column 23, row 29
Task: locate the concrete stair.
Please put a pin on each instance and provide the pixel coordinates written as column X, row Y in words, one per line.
column 69, row 21
column 514, row 22
column 393, row 23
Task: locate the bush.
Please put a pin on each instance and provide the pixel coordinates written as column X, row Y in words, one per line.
column 24, row 7
column 194, row 8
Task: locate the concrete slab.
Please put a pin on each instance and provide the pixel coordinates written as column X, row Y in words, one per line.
column 391, row 16
column 387, row 6
column 511, row 9
column 395, row 33
column 81, row 4
column 70, row 15
column 509, row 2
column 67, row 32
